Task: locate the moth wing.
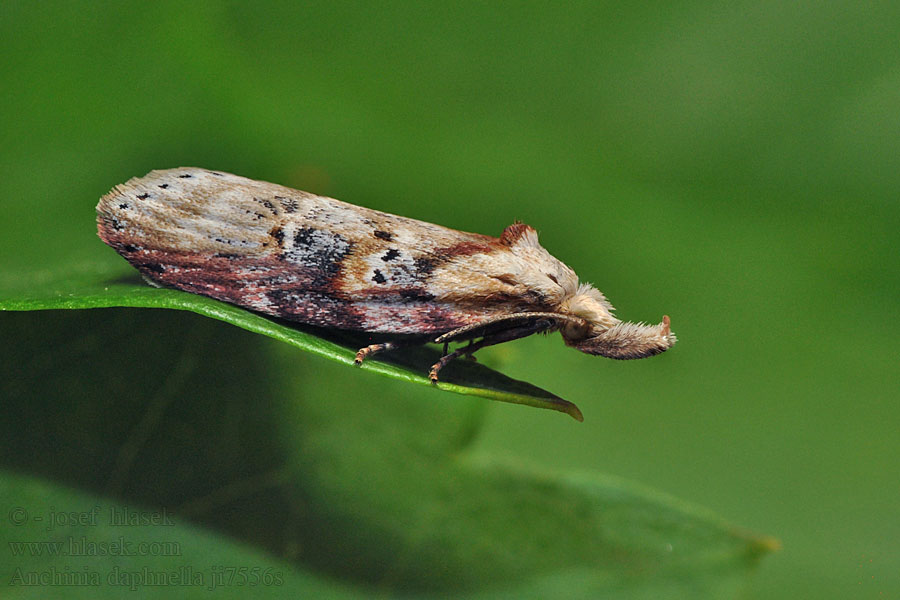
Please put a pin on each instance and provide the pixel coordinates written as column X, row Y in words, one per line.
column 309, row 258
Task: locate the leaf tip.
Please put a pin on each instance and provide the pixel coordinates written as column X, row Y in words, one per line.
column 575, row 412
column 765, row 544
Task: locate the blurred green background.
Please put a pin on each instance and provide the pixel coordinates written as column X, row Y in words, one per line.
column 734, row 166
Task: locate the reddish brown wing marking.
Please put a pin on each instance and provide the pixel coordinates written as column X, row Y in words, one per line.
column 274, row 286
column 297, row 256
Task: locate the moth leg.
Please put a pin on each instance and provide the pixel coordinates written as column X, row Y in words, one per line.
column 446, row 351
column 403, row 342
column 497, row 338
column 433, row 373
column 363, row 353
column 371, row 349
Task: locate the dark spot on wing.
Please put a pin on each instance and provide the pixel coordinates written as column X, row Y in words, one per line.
column 289, row 204
column 164, row 185
column 384, row 235
column 185, row 176
column 154, row 267
column 424, row 265
column 130, row 248
column 416, row 294
column 378, row 277
column 123, row 206
column 390, row 255
column 268, row 204
column 278, row 234
column 143, row 196
column 319, row 252
column 229, row 242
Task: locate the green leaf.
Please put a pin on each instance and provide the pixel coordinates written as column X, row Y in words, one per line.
column 232, row 432
column 85, row 546
column 96, row 286
column 88, row 546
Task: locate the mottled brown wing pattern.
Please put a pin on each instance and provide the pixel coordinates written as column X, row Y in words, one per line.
column 308, row 258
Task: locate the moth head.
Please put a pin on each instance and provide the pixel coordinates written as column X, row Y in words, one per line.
column 628, row 340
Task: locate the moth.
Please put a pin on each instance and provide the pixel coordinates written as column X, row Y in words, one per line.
column 320, row 261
